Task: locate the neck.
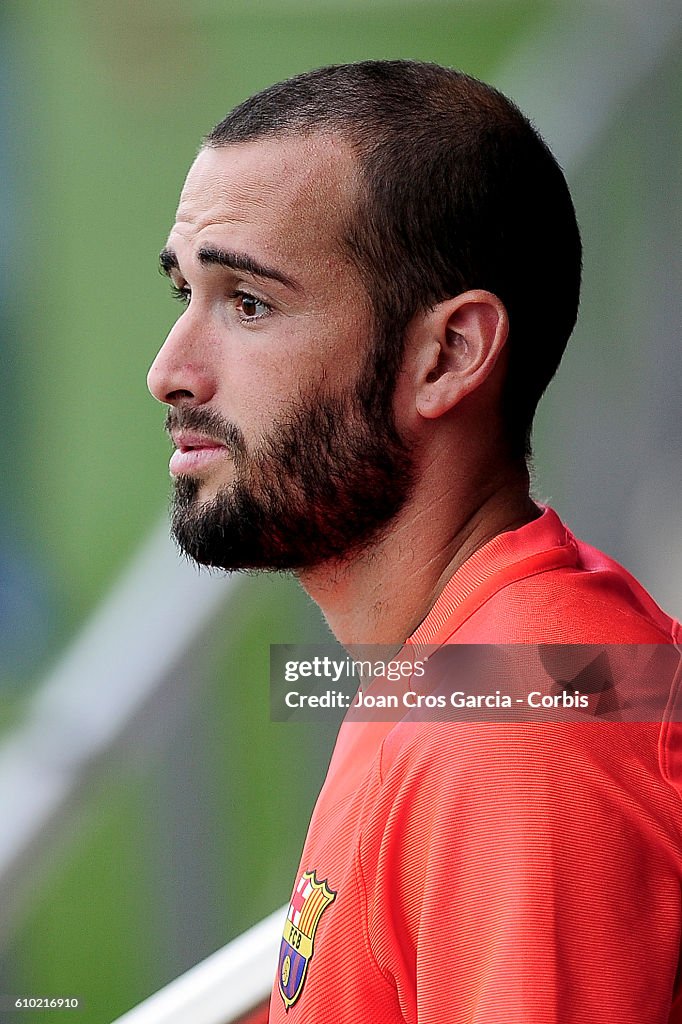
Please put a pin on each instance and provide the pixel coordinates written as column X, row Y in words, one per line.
column 381, row 595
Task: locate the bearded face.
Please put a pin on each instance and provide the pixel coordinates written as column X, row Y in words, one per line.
column 322, row 484
column 281, row 410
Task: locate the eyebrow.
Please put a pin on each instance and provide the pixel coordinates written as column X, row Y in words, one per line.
column 211, row 256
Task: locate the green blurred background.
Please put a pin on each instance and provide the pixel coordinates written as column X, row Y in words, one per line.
column 186, row 835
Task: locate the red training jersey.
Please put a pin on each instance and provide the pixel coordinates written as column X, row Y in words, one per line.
column 516, row 873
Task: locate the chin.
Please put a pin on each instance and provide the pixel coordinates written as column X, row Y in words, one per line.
column 202, row 491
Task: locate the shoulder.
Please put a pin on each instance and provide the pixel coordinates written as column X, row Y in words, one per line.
column 592, row 600
column 464, row 757
column 524, row 768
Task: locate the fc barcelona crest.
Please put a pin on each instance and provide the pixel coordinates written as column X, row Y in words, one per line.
column 309, row 901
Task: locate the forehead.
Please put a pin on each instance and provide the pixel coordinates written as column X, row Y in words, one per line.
column 287, row 197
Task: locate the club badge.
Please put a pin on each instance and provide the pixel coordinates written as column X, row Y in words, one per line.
column 309, row 901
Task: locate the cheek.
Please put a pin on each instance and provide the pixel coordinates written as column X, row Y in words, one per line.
column 257, row 390
column 262, row 375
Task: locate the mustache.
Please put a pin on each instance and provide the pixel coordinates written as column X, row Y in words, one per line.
column 206, row 421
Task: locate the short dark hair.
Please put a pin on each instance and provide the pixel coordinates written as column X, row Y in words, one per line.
column 457, row 191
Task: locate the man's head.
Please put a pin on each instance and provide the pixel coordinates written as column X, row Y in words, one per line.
column 385, row 190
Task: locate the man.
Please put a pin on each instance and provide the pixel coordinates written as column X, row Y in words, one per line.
column 380, row 264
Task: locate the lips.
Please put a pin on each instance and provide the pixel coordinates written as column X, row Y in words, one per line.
column 194, row 453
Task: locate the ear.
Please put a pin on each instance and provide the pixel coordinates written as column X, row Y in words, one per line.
column 461, row 340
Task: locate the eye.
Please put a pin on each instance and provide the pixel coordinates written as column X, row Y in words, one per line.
column 249, row 307
column 183, row 294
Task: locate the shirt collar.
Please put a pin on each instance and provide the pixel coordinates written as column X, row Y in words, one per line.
column 508, row 556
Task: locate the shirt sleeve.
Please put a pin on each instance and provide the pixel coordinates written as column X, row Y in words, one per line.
column 525, row 874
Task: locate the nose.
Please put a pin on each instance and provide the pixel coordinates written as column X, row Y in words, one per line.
column 179, row 374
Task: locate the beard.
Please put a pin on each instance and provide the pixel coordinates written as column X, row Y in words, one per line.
column 322, row 485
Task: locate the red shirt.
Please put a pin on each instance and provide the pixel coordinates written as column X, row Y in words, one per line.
column 478, row 873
